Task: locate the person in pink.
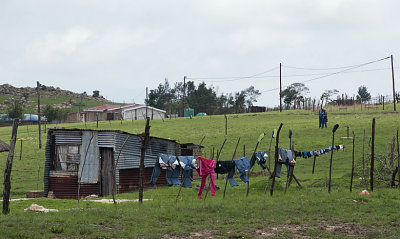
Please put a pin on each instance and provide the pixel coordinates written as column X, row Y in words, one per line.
column 206, row 167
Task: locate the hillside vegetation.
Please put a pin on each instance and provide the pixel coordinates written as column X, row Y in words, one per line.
column 49, row 95
column 307, row 212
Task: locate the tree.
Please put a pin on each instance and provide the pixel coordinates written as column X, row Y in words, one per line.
column 96, row 93
column 363, row 94
column 328, row 94
column 295, row 91
column 52, row 113
column 15, row 109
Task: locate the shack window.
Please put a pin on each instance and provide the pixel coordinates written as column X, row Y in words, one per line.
column 68, row 157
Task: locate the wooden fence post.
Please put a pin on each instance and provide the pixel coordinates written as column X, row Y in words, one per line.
column 276, row 159
column 142, row 154
column 7, row 171
column 330, row 165
column 40, row 133
column 352, row 166
column 372, row 155
column 233, row 156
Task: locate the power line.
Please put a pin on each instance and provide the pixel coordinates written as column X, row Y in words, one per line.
column 334, row 73
column 231, row 78
column 331, row 68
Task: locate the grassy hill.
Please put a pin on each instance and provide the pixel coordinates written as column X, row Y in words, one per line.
column 309, row 212
column 49, row 95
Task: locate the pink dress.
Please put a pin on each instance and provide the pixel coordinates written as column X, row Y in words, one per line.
column 206, row 167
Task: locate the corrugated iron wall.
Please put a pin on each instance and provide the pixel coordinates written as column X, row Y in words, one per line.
column 66, row 187
column 130, row 154
column 68, row 137
column 129, row 179
column 90, row 158
column 47, row 161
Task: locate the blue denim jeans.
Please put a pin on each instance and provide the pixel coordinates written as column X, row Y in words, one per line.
column 243, row 165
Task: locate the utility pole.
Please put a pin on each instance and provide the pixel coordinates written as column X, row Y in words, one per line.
column 394, row 92
column 40, row 133
column 183, row 97
column 146, row 100
column 280, row 87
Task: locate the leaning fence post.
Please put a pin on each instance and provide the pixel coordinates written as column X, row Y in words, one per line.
column 233, row 156
column 276, row 159
column 142, row 154
column 7, row 171
column 398, row 156
column 363, row 160
column 335, row 127
column 372, row 155
column 352, row 166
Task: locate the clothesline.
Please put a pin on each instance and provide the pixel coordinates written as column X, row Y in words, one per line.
column 309, row 154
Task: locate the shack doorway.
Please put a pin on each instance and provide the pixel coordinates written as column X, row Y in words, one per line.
column 106, row 171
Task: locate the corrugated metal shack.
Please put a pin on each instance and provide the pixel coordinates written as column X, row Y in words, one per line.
column 96, row 151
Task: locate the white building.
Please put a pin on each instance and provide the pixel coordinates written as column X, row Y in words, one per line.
column 139, row 112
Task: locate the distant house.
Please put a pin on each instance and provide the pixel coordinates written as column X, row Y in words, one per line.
column 92, row 156
column 117, row 112
column 256, row 109
column 139, row 112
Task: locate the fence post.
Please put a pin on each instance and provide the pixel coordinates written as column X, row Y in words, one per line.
column 7, row 171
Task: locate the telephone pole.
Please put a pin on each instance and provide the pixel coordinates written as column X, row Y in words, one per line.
column 394, row 91
column 280, row 87
column 147, row 90
column 183, row 97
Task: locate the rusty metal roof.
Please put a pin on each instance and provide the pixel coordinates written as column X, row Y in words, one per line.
column 102, row 108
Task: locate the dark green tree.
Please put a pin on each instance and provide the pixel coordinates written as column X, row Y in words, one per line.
column 15, row 109
column 53, row 114
column 295, row 91
column 96, row 93
column 363, row 94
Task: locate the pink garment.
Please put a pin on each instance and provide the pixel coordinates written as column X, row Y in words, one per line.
column 206, row 167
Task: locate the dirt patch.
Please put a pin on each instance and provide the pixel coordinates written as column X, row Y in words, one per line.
column 290, row 230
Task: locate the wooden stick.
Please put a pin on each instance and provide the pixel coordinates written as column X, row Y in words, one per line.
column 363, row 161
column 372, row 155
column 142, row 155
column 7, row 171
column 330, row 164
column 233, row 156
column 40, row 133
column 352, row 167
column 20, row 153
column 248, row 175
column 313, row 165
column 398, row 156
column 276, row 159
column 115, row 169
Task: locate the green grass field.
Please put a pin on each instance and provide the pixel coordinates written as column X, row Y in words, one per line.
column 309, row 212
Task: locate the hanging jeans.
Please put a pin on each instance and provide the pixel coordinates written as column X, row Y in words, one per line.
column 243, row 166
column 287, row 157
column 186, row 163
column 167, row 162
column 206, row 167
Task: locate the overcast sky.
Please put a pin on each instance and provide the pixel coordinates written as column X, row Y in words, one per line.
column 121, row 47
